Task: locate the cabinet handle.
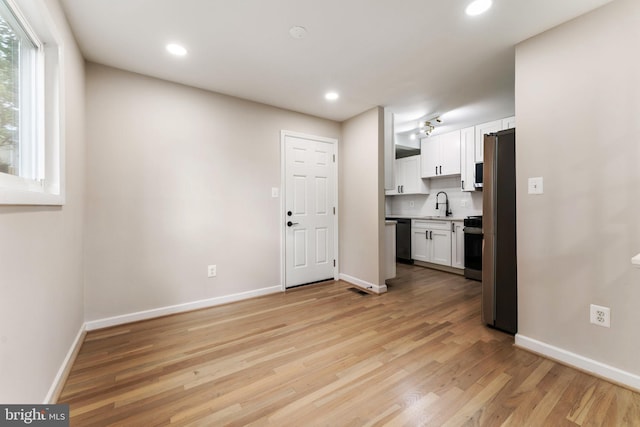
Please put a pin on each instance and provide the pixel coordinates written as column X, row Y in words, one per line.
column 436, row 170
column 426, row 234
column 431, row 235
column 402, row 188
column 462, row 185
column 440, row 170
column 453, row 228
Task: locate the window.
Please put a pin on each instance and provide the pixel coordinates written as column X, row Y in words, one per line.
column 30, row 143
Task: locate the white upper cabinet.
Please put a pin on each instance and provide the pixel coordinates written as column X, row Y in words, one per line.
column 472, row 148
column 481, row 131
column 408, row 178
column 467, row 158
column 430, row 154
column 509, row 123
column 440, row 155
column 450, row 144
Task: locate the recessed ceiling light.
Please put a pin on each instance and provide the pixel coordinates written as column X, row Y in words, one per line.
column 478, row 7
column 297, row 32
column 176, row 49
column 331, row 96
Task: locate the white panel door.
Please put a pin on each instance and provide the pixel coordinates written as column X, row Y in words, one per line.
column 310, row 175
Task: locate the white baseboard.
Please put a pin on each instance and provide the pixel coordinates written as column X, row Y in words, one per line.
column 582, row 363
column 63, row 372
column 363, row 284
column 178, row 308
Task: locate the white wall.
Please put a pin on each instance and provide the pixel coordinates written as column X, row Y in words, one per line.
column 461, row 203
column 41, row 307
column 362, row 197
column 578, row 103
column 179, row 178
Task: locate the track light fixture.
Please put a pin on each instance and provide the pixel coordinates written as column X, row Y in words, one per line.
column 427, row 126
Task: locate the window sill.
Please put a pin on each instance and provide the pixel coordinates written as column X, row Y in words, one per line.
column 21, row 197
column 19, row 191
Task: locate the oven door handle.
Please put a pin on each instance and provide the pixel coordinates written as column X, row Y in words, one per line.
column 472, row 230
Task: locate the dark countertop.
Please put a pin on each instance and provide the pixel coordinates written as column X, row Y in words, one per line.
column 436, row 218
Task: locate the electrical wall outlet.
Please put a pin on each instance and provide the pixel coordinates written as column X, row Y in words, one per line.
column 600, row 316
column 212, row 271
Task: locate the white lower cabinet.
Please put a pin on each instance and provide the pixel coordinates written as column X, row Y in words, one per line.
column 457, row 244
column 440, row 246
column 419, row 243
column 431, row 241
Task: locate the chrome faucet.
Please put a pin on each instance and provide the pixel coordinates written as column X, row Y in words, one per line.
column 447, row 211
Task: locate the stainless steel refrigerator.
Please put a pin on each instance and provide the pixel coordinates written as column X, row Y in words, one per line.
column 499, row 274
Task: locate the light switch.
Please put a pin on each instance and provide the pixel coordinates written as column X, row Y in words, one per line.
column 535, row 185
column 275, row 192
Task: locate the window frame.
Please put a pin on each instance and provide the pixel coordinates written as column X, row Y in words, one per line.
column 48, row 162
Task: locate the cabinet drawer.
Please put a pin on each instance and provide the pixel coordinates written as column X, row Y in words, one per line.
column 431, row 225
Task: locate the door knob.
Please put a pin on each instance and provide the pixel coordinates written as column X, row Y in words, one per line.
column 289, row 224
column 289, row 213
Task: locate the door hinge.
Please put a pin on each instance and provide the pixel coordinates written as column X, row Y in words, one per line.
column 334, row 210
column 334, row 262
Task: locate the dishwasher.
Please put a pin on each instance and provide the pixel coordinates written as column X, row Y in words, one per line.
column 403, row 240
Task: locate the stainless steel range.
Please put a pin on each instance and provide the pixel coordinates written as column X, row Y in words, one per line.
column 473, row 247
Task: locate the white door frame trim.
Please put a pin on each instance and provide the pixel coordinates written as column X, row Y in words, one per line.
column 283, row 208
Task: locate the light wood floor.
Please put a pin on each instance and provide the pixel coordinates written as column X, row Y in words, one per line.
column 326, row 356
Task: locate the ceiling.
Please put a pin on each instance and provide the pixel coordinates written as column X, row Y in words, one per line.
column 419, row 58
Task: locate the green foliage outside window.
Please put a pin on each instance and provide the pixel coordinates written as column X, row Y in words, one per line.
column 9, row 98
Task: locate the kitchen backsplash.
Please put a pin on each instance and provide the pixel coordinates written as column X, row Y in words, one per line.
column 461, row 203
